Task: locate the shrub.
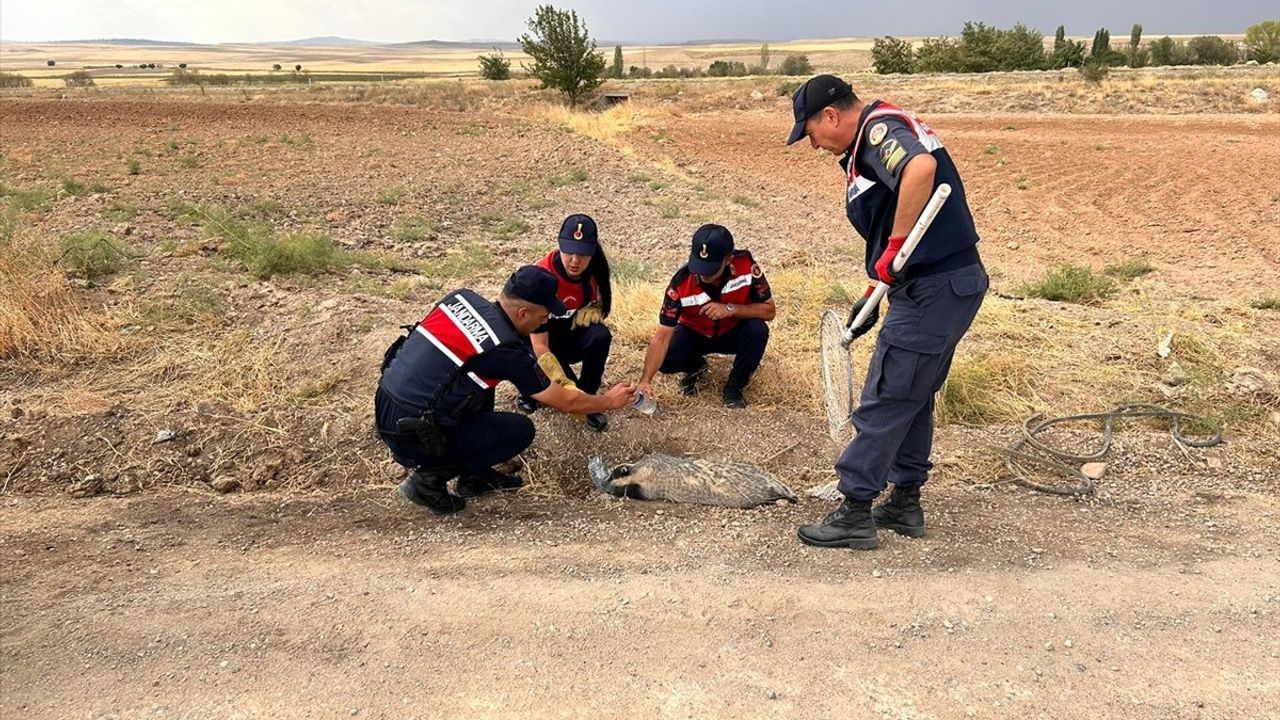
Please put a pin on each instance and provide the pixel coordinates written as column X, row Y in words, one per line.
column 1212, row 50
column 193, row 77
column 133, row 166
column 939, row 55
column 1262, row 41
column 92, row 255
column 723, row 68
column 79, row 79
column 891, row 55
column 788, row 88
column 1129, row 269
column 14, row 80
column 495, row 66
column 72, row 187
column 1073, row 284
column 1094, row 71
column 1265, row 303
column 1167, row 51
column 795, row 65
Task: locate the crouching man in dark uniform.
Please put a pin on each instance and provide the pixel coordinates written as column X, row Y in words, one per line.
column 719, row 303
column 893, row 163
column 434, row 405
column 579, row 335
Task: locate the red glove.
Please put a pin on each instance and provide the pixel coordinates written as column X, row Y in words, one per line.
column 884, row 266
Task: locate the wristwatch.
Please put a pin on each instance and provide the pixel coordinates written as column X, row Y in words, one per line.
column 731, row 308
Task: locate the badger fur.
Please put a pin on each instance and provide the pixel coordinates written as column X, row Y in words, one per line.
column 689, row 480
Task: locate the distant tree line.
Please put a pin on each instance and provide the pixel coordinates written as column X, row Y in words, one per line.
column 984, row 48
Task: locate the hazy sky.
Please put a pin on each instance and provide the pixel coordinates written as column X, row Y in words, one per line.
column 653, row 22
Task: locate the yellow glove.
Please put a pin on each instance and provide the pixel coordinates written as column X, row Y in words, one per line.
column 550, row 365
column 588, row 316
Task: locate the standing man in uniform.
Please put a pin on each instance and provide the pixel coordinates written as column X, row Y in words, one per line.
column 719, row 303
column 893, row 163
column 434, row 405
column 579, row 335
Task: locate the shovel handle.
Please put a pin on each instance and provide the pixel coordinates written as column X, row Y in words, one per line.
column 913, row 239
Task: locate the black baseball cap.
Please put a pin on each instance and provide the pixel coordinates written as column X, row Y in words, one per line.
column 711, row 243
column 578, row 235
column 818, row 92
column 536, row 285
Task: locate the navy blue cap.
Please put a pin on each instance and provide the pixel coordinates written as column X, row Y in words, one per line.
column 711, row 244
column 536, row 285
column 578, row 235
column 818, row 92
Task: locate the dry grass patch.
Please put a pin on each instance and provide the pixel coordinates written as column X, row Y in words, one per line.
column 41, row 316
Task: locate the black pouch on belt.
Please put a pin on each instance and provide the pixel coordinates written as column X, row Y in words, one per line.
column 422, row 432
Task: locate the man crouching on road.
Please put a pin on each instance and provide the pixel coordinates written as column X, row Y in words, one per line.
column 718, row 302
column 434, row 405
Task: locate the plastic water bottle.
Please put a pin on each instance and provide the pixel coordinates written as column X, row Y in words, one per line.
column 644, row 404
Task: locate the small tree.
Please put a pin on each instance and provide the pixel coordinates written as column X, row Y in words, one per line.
column 276, row 67
column 892, row 55
column 564, row 55
column 1262, row 41
column 79, row 79
column 1167, row 51
column 939, row 55
column 495, row 66
column 297, row 68
column 1020, row 48
column 119, row 66
column 616, row 71
column 1137, row 54
column 1212, row 50
column 795, row 65
column 50, row 63
column 978, row 47
column 764, row 57
column 1066, row 53
column 1101, row 45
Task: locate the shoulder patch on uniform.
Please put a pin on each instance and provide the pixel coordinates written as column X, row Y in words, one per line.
column 756, row 271
column 671, row 293
column 878, row 131
column 891, row 155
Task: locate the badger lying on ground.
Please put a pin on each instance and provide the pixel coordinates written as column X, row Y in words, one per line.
column 689, row 480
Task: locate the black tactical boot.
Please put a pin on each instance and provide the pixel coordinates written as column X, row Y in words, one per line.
column 901, row 513
column 598, row 421
column 487, row 481
column 429, row 489
column 689, row 381
column 849, row 526
column 527, row 405
column 733, row 396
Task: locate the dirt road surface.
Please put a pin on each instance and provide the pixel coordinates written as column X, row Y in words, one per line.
column 181, row 605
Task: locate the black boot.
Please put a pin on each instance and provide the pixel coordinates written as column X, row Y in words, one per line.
column 487, row 481
column 849, row 526
column 732, row 395
column 429, row 489
column 527, row 405
column 901, row 513
column 689, row 381
column 598, row 422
